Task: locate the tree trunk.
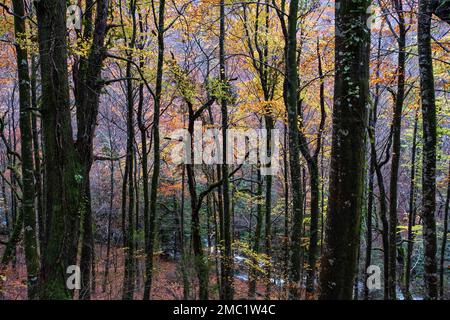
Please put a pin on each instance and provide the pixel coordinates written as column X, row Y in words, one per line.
column 129, row 274
column 108, row 238
column 348, row 150
column 156, row 151
column 256, row 238
column 395, row 161
column 290, row 95
column 444, row 240
column 87, row 79
column 26, row 140
column 227, row 285
column 62, row 171
column 412, row 210
column 37, row 156
column 427, row 95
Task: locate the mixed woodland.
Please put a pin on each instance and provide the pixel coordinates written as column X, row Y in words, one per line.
column 357, row 90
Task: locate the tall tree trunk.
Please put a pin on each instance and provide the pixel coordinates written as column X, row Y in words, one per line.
column 200, row 260
column 412, row 209
column 87, row 79
column 268, row 207
column 36, row 155
column 427, row 95
column 290, row 95
column 261, row 65
column 348, row 150
column 129, row 274
column 286, row 206
column 373, row 163
column 26, row 140
column 395, row 160
column 368, row 261
column 156, row 151
column 257, row 237
column 145, row 182
column 227, row 285
column 108, row 237
column 383, row 216
column 62, row 170
column 313, row 168
column 184, row 265
column 444, row 239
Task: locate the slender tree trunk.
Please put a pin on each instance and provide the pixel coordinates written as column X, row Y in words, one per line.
column 314, row 182
column 184, row 265
column 200, row 261
column 26, row 140
column 384, row 221
column 395, row 160
column 145, row 184
column 37, row 156
column 87, row 92
column 444, row 240
column 129, row 274
column 368, row 261
column 412, row 210
column 268, row 209
column 427, row 95
column 108, row 239
column 290, row 96
column 260, row 63
column 257, row 237
column 227, row 285
column 373, row 164
column 156, row 150
column 286, row 206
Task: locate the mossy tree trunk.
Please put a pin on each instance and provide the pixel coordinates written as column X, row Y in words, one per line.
column 62, row 172
column 26, row 139
column 87, row 93
column 427, row 95
column 348, row 150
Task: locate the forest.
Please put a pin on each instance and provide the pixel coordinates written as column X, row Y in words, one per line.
column 224, row 149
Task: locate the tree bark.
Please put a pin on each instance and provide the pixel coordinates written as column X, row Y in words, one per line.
column 412, row 209
column 395, row 160
column 290, row 96
column 427, row 95
column 227, row 258
column 156, row 152
column 348, row 150
column 444, row 240
column 26, row 140
column 62, row 169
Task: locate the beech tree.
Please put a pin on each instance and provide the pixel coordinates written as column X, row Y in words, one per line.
column 348, row 150
column 96, row 102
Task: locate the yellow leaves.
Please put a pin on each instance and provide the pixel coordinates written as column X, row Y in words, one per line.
column 417, row 229
column 80, row 47
column 251, row 259
column 183, row 82
column 219, row 89
column 274, row 108
column 28, row 40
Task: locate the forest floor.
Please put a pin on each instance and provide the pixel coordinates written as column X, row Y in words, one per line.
column 167, row 284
